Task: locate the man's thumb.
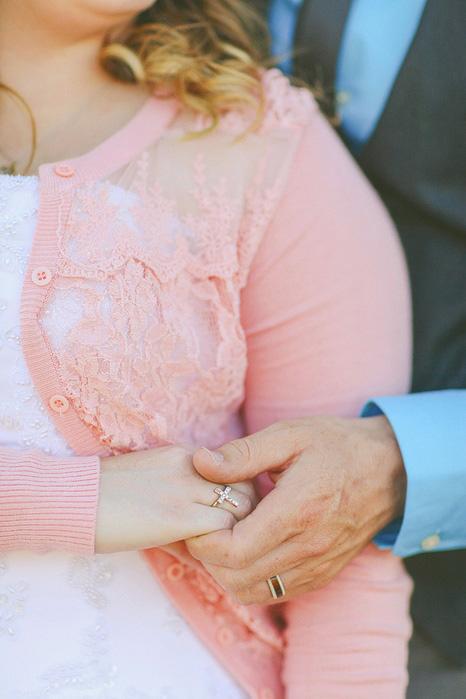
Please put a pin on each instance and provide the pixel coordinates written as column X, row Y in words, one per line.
column 244, row 458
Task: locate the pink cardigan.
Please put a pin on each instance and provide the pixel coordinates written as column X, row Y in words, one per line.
column 210, row 274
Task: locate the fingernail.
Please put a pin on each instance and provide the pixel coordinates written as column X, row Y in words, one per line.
column 216, row 456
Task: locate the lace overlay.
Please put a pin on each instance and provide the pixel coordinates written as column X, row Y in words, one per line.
column 152, row 262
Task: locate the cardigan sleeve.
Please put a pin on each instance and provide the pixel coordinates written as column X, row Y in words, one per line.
column 326, row 308
column 47, row 502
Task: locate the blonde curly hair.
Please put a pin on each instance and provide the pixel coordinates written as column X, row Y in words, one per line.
column 207, row 53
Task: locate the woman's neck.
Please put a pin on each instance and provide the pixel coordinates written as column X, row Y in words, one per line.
column 75, row 103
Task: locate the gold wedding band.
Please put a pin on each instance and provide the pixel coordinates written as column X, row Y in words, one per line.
column 276, row 587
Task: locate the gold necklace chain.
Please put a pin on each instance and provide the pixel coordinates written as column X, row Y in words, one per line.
column 10, row 168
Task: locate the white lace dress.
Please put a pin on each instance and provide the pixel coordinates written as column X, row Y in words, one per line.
column 70, row 626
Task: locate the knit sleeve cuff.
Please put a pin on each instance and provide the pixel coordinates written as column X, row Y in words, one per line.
column 48, row 503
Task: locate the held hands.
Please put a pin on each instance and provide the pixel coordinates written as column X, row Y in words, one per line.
column 338, row 482
column 156, row 497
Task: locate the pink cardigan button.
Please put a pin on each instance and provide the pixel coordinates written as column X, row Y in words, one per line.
column 64, row 169
column 225, row 636
column 41, row 276
column 59, row 404
column 175, row 572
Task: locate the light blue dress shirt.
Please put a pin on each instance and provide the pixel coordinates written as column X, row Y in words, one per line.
column 283, row 17
column 430, row 427
column 375, row 41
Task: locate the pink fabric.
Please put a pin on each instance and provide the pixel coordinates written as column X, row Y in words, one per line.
column 326, row 317
column 320, row 311
column 348, row 641
column 47, row 503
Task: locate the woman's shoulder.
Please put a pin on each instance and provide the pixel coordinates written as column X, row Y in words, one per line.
column 284, row 105
column 280, row 106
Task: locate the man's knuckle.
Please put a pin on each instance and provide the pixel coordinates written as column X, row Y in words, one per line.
column 297, row 434
column 321, row 546
column 226, row 580
column 237, row 559
column 231, row 582
column 245, row 597
column 240, row 557
column 320, row 572
column 247, row 505
column 227, row 519
column 195, row 548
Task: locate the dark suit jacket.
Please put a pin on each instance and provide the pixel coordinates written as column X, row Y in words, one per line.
column 416, row 158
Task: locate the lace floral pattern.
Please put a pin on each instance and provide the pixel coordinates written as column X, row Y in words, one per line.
column 138, row 298
column 150, row 273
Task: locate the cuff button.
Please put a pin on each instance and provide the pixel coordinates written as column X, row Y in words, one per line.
column 430, row 542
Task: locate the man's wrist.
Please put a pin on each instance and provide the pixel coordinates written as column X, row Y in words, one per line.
column 392, row 474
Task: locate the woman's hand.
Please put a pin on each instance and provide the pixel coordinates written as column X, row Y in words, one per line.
column 155, row 497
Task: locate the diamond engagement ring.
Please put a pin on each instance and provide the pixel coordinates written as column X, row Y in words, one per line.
column 276, row 587
column 223, row 495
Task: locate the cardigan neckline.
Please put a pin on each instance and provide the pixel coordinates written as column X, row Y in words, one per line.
column 145, row 127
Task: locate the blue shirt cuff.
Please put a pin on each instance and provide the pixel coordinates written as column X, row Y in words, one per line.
column 431, row 432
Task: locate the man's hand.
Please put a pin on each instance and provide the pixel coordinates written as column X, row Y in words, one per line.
column 338, row 482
